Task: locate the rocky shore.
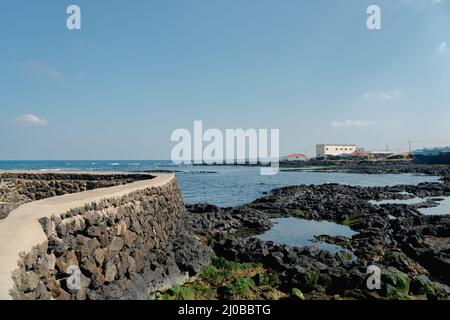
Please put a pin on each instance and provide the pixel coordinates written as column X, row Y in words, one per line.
column 412, row 250
column 369, row 167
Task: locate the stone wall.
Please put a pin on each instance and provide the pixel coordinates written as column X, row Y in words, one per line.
column 21, row 187
column 125, row 247
column 6, row 208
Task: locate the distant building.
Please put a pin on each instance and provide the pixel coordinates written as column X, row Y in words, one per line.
column 432, row 155
column 401, row 156
column 431, row 151
column 296, row 157
column 360, row 153
column 333, row 150
column 381, row 154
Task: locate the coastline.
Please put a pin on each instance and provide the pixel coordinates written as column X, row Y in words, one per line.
column 408, row 248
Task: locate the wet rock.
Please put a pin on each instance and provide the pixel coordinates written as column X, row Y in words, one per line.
column 184, row 257
column 211, row 220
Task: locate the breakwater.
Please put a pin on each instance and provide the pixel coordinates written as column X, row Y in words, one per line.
column 126, row 240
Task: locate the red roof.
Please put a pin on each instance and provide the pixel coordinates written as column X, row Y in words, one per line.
column 359, row 153
column 295, row 155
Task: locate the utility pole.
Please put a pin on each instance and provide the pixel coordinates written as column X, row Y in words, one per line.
column 409, row 146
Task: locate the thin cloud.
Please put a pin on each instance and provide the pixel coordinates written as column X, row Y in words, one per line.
column 385, row 95
column 362, row 123
column 43, row 70
column 421, row 4
column 30, row 120
column 442, row 47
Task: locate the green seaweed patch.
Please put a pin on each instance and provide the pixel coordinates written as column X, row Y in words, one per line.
column 297, row 294
column 306, row 281
column 222, row 270
column 211, row 242
column 214, row 276
column 267, row 279
column 225, row 279
column 344, row 256
column 297, row 213
column 192, row 291
column 396, row 283
column 353, row 221
column 241, row 288
column 224, row 264
column 429, row 290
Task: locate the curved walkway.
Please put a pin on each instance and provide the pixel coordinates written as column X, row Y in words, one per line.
column 21, row 230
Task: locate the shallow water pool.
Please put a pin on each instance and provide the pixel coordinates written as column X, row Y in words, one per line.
column 442, row 208
column 300, row 232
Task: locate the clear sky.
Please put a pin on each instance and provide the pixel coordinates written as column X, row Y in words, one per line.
column 139, row 69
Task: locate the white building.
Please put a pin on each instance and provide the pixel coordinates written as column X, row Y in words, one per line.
column 325, row 150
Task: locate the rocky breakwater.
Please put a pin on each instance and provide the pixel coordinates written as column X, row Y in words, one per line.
column 394, row 167
column 121, row 242
column 18, row 187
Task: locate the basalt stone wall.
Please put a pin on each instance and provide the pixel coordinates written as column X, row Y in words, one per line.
column 6, row 208
column 125, row 248
column 17, row 188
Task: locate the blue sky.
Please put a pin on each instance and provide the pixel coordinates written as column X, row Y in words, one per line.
column 139, row 69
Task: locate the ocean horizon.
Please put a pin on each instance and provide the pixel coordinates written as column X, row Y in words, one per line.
column 220, row 185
